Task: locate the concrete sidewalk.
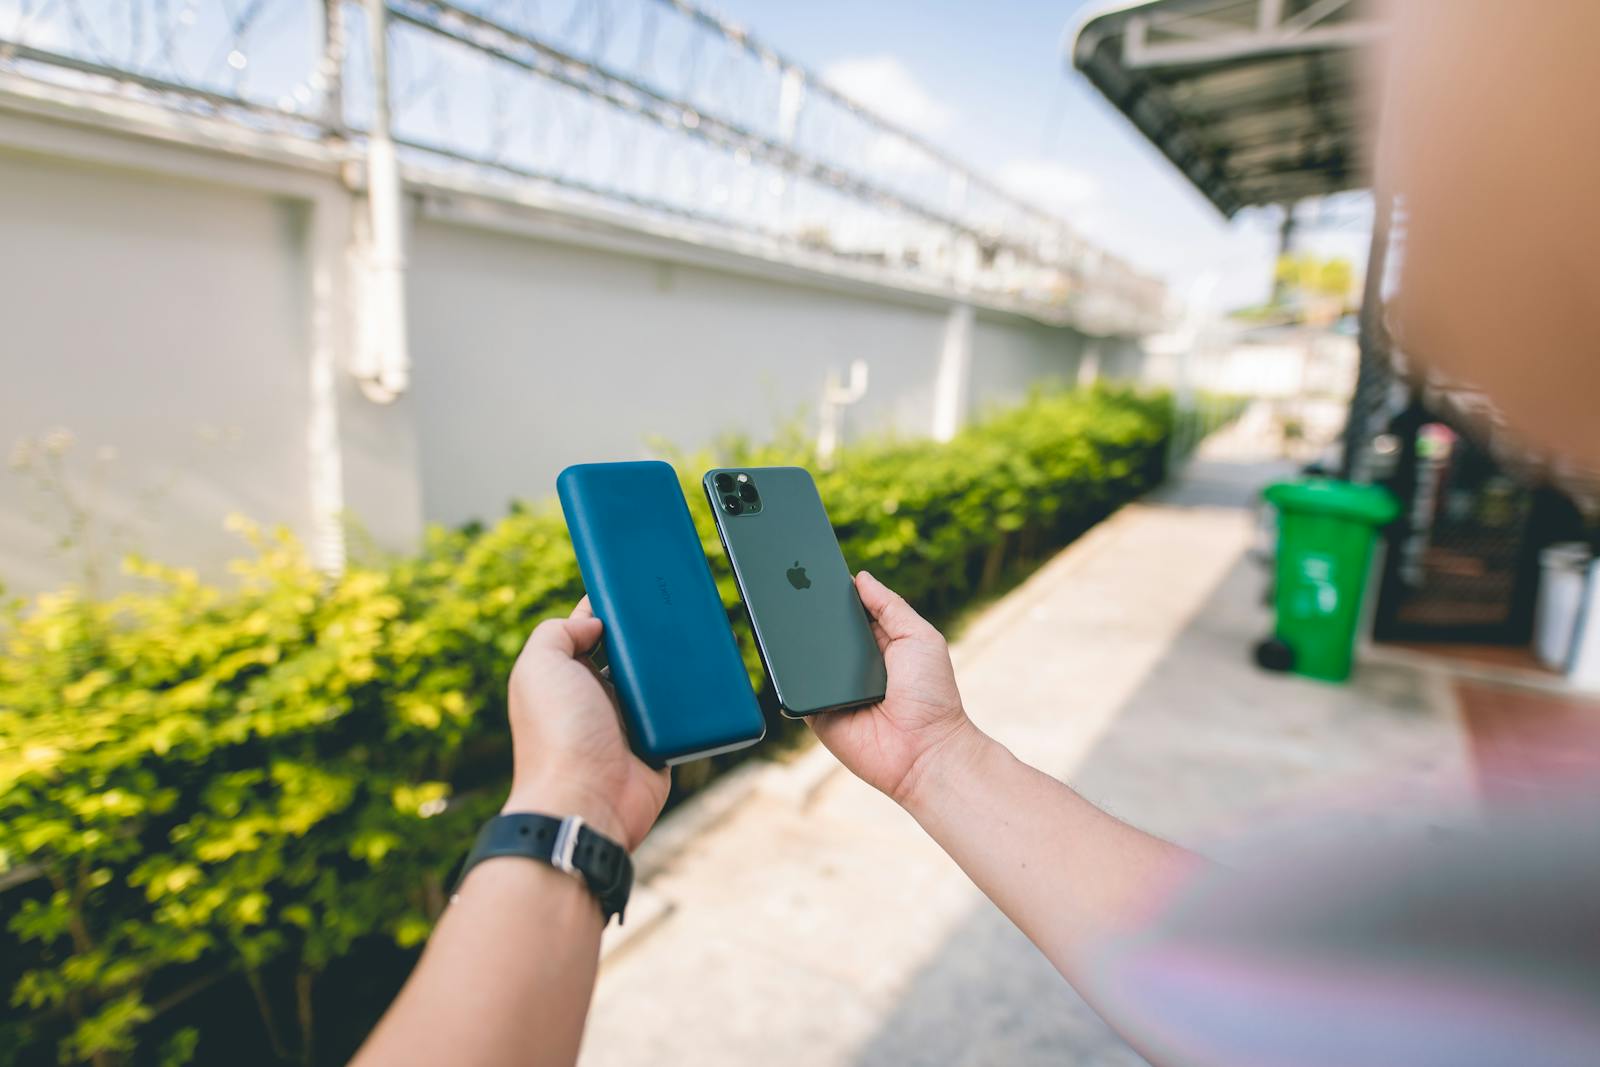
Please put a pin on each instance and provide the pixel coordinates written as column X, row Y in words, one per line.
column 816, row 925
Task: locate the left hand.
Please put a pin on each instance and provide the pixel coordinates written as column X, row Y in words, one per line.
column 892, row 744
column 571, row 757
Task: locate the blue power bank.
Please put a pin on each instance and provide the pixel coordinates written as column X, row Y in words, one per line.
column 679, row 678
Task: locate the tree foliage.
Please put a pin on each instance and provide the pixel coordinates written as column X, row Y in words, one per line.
column 1307, row 274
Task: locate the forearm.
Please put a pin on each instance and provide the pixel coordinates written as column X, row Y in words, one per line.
column 506, row 976
column 1064, row 871
column 508, row 973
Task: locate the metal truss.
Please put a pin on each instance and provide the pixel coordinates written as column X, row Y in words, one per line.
column 1211, row 31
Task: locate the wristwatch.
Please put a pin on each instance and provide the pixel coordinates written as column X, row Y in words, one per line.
column 565, row 844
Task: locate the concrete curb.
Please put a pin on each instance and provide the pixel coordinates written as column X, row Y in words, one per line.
column 1037, row 586
column 648, row 907
column 798, row 781
column 795, row 782
column 695, row 816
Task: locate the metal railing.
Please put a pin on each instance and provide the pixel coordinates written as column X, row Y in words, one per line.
column 654, row 107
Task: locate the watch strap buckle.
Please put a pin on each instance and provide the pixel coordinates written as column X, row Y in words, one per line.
column 566, row 844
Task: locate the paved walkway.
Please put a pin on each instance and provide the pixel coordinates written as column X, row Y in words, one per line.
column 816, row 925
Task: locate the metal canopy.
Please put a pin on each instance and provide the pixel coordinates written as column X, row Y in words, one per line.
column 1255, row 101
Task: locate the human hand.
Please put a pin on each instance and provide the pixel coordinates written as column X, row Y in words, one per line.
column 889, row 745
column 571, row 757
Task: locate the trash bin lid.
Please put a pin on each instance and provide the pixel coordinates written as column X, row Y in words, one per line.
column 1326, row 496
column 1566, row 556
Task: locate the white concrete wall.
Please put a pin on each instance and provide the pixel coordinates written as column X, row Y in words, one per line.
column 163, row 324
column 530, row 355
column 1010, row 356
column 170, row 304
column 1122, row 359
column 1287, row 364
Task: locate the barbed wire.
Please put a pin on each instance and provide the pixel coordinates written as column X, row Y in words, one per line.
column 653, row 106
column 249, row 51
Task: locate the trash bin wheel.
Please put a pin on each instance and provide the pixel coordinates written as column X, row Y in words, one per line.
column 1274, row 654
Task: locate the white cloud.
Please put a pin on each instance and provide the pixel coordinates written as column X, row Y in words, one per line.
column 883, row 84
column 887, row 152
column 49, row 34
column 1049, row 184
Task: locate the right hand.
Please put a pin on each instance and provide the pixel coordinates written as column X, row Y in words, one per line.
column 889, row 745
column 570, row 757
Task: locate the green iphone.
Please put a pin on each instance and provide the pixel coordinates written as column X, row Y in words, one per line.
column 814, row 635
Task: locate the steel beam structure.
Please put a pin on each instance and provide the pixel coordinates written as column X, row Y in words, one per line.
column 1177, row 38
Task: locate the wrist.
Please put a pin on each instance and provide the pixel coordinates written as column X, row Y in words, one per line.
column 562, row 799
column 952, row 757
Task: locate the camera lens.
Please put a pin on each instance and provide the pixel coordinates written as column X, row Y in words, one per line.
column 747, row 492
column 731, row 504
column 724, row 483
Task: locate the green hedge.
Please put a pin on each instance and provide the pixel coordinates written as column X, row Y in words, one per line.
column 250, row 784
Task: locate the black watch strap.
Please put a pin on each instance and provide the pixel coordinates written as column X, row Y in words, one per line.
column 565, row 844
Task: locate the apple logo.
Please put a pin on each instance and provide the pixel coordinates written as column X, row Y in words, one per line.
column 797, row 576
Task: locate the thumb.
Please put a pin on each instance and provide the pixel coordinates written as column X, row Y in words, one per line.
column 571, row 637
column 585, row 632
column 889, row 610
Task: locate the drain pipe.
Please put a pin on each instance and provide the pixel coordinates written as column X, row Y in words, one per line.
column 835, row 398
column 383, row 362
column 953, row 380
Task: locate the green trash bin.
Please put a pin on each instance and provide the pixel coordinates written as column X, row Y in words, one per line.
column 1326, row 530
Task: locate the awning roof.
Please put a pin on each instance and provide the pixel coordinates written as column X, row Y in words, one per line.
column 1255, row 101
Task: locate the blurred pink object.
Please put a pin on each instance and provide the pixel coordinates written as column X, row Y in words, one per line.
column 1466, row 947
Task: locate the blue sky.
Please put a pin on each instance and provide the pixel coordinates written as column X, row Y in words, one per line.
column 986, row 80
